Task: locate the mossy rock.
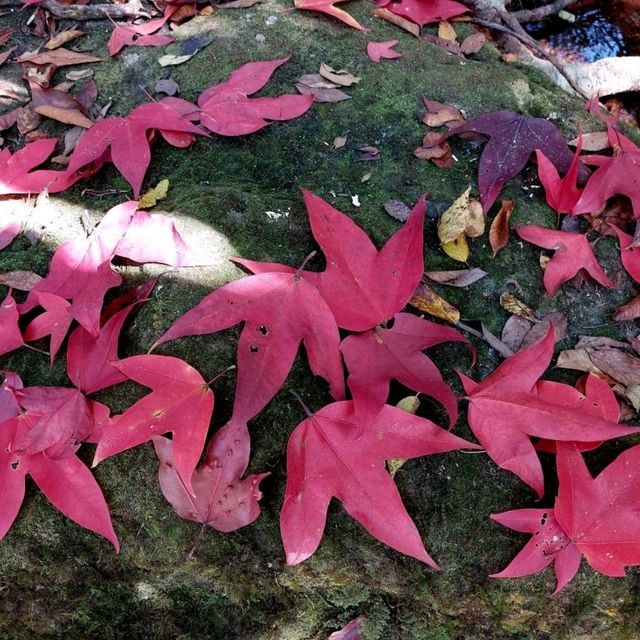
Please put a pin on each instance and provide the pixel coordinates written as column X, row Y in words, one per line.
column 60, row 581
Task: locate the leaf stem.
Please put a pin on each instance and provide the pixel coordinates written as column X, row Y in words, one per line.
column 304, row 264
column 296, row 395
column 197, row 541
column 220, row 374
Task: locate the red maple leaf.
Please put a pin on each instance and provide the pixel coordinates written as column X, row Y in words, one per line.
column 280, row 311
column 126, row 140
column 181, row 402
column 629, row 254
column 597, row 518
column 327, row 458
column 327, row 7
column 378, row 50
column 10, row 227
column 424, row 11
column 55, row 321
column 572, row 253
column 10, row 336
column 375, row 357
column 505, row 410
column 617, row 175
column 221, row 500
column 362, row 286
column 17, row 173
column 227, row 109
column 140, row 34
column 562, row 193
column 38, row 426
column 512, row 140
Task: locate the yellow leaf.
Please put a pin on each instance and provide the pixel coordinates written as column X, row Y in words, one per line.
column 409, row 404
column 463, row 216
column 447, row 32
column 516, row 307
column 151, row 198
column 427, row 300
column 458, row 249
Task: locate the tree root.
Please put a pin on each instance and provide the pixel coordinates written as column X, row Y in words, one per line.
column 587, row 79
column 131, row 9
column 542, row 12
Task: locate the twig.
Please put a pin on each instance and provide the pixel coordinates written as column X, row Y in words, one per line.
column 526, row 39
column 130, row 9
column 543, row 12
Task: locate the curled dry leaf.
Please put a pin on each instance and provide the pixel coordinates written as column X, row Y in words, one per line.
column 320, row 88
column 439, row 114
column 473, row 43
column 511, row 304
column 499, row 231
column 399, row 21
column 427, row 300
column 340, row 77
column 368, row 154
column 629, row 311
column 63, row 37
column 457, row 278
column 464, row 216
column 458, row 249
column 439, row 154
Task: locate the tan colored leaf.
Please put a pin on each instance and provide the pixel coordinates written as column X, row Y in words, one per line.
column 20, row 280
column 4, row 56
column 397, row 209
column 27, row 120
column 440, row 155
column 59, row 57
column 544, row 261
column 439, row 114
column 238, row 4
column 63, row 37
column 368, row 154
column 464, row 216
column 339, row 142
column 499, row 231
column 458, row 249
column 580, row 360
column 447, row 32
column 629, row 311
column 632, row 393
column 511, row 304
column 596, row 141
column 514, row 332
column 59, row 106
column 340, row 77
column 473, row 43
column 540, row 329
column 151, row 197
column 600, row 342
column 617, row 364
column 322, row 90
column 399, row 21
column 427, row 300
column 78, row 74
column 458, row 278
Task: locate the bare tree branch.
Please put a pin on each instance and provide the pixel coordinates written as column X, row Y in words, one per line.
column 131, row 9
column 543, row 12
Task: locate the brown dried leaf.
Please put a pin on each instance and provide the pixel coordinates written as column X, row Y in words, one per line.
column 617, row 364
column 322, row 90
column 4, row 56
column 440, row 155
column 9, row 119
column 514, row 332
column 340, row 77
column 397, row 209
column 59, row 57
column 183, row 13
column 59, row 106
column 368, row 154
column 511, row 304
column 166, row 85
column 629, row 311
column 499, row 231
column 399, row 21
column 339, row 142
column 63, row 37
column 27, row 120
column 596, row 141
column 540, row 329
column 456, row 278
column 20, row 280
column 473, row 43
column 427, row 300
column 496, row 343
column 580, row 360
column 439, row 114
column 599, row 342
column 238, row 4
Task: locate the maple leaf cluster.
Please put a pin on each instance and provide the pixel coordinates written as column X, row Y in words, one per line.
column 225, row 109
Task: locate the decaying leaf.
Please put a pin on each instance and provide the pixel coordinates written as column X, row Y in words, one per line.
column 499, row 231
column 629, row 311
column 183, row 50
column 320, row 88
column 59, row 57
column 151, row 197
column 397, row 209
column 439, row 114
column 473, row 43
column 399, row 21
column 427, row 300
column 511, row 304
column 457, row 249
column 463, row 217
column 439, row 154
column 458, row 278
column 20, row 280
column 341, row 77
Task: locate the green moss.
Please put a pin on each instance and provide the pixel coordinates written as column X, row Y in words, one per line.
column 60, row 581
